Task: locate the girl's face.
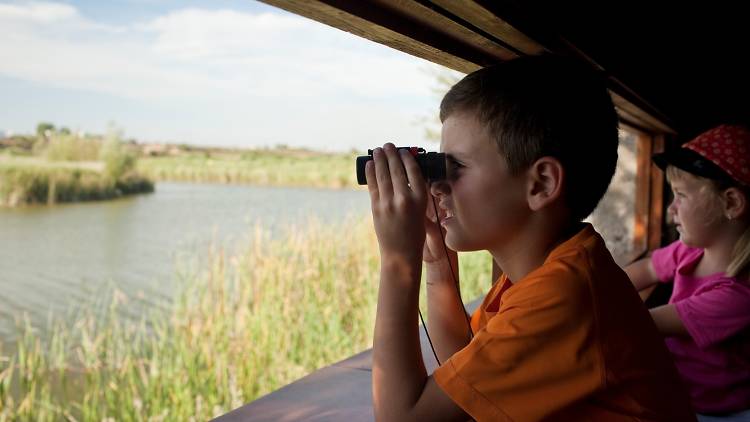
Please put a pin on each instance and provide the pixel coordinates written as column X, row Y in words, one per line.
column 696, row 210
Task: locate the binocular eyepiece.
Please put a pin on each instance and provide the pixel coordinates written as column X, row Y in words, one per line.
column 432, row 164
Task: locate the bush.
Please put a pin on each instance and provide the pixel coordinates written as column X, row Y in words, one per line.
column 61, row 147
column 118, row 161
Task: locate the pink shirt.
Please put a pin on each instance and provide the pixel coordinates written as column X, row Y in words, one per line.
column 714, row 360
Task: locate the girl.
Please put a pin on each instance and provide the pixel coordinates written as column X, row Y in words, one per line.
column 707, row 320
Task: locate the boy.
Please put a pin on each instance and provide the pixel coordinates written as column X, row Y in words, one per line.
column 531, row 147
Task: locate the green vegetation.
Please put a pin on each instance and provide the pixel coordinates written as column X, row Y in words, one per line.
column 249, row 324
column 39, row 184
column 133, row 165
column 275, row 167
column 58, row 166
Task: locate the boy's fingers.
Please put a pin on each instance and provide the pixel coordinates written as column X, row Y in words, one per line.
column 396, row 165
column 430, row 213
column 414, row 173
column 372, row 181
column 382, row 173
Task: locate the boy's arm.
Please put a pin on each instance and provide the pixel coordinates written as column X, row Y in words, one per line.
column 446, row 315
column 401, row 388
column 402, row 391
column 642, row 274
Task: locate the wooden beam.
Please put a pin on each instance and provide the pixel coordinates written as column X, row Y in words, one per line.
column 642, row 192
column 386, row 24
column 638, row 117
column 425, row 14
column 463, row 36
column 485, row 20
column 656, row 210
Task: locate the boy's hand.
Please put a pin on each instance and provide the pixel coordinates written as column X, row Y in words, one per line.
column 434, row 246
column 398, row 197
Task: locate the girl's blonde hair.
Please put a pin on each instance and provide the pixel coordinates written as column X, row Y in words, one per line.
column 740, row 262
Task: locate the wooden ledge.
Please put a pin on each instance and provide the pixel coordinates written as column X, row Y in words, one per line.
column 340, row 392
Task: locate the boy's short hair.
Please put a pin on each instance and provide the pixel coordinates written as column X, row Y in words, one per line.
column 546, row 105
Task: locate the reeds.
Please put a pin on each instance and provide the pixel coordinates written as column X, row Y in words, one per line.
column 70, row 168
column 261, row 167
column 37, row 184
column 249, row 323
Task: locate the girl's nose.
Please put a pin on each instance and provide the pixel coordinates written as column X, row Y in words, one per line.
column 672, row 209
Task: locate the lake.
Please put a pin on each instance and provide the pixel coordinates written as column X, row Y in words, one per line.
column 57, row 258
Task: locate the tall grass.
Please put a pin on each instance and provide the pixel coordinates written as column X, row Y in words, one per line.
column 34, row 184
column 69, row 168
column 69, row 147
column 263, row 167
column 248, row 324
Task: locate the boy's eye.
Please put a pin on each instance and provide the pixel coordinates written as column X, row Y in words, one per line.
column 453, row 167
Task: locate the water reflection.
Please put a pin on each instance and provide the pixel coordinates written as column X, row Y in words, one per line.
column 63, row 256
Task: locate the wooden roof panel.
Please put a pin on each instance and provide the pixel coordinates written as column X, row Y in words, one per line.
column 672, row 67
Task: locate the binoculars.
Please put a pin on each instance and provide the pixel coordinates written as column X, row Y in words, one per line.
column 432, row 164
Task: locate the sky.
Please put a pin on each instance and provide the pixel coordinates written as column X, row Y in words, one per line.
column 215, row 73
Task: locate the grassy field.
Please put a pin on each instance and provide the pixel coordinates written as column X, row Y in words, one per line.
column 249, row 324
column 271, row 167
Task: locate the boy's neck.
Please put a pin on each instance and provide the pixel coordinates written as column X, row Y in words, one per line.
column 531, row 246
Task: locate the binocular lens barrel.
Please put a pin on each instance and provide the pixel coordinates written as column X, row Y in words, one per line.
column 432, row 165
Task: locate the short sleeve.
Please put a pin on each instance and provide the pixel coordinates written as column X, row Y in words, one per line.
column 716, row 314
column 533, row 358
column 666, row 260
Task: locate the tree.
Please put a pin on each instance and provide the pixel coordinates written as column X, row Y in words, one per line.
column 444, row 79
column 43, row 128
column 118, row 161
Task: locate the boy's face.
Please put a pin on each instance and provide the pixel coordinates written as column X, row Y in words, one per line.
column 482, row 205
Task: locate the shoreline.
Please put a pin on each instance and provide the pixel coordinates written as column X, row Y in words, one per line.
column 34, row 185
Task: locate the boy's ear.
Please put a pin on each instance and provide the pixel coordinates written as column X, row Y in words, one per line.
column 546, row 177
column 735, row 203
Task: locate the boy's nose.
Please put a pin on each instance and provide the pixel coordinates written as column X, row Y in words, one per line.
column 439, row 188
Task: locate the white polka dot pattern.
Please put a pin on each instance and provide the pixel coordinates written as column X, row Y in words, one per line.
column 726, row 146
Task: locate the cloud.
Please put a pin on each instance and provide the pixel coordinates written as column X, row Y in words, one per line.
column 201, row 51
column 37, row 12
column 216, row 58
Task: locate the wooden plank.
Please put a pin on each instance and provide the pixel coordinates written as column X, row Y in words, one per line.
column 340, row 392
column 642, row 192
column 657, row 207
column 409, row 26
column 331, row 394
column 637, row 117
column 430, row 18
column 353, row 23
column 485, row 20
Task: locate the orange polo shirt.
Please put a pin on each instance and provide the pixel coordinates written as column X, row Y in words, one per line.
column 571, row 341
